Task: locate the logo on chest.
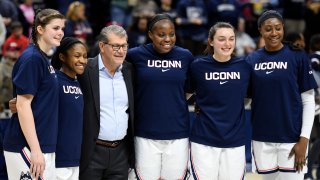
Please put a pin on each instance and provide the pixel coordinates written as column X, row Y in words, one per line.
column 71, row 90
column 165, row 65
column 270, row 66
column 222, row 76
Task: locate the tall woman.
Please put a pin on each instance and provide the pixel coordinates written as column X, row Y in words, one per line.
column 31, row 135
column 282, row 103
column 220, row 83
column 161, row 113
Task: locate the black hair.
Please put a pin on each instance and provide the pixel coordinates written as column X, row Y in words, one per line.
column 15, row 24
column 65, row 45
column 42, row 18
column 292, row 37
column 269, row 14
column 315, row 43
column 157, row 18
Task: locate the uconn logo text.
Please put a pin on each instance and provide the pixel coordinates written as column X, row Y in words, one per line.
column 222, row 75
column 71, row 90
column 270, row 65
column 164, row 63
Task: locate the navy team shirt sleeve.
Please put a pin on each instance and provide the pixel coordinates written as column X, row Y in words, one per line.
column 28, row 77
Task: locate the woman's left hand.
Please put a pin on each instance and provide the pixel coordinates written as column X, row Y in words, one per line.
column 299, row 153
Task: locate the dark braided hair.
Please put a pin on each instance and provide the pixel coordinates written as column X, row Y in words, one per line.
column 42, row 18
column 65, row 45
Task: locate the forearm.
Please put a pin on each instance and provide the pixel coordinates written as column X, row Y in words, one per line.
column 308, row 113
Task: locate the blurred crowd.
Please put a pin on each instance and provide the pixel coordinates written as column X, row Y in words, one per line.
column 85, row 18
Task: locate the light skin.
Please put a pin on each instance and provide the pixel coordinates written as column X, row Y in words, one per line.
column 113, row 59
column 74, row 61
column 48, row 37
column 223, row 43
column 163, row 36
column 272, row 31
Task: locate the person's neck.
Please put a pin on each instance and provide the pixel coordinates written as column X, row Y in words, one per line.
column 44, row 47
column 221, row 58
column 68, row 73
column 112, row 68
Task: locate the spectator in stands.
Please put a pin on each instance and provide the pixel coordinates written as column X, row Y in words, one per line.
column 14, row 45
column 3, row 33
column 295, row 39
column 27, row 11
column 191, row 25
column 77, row 24
column 121, row 12
column 137, row 32
column 9, row 13
column 245, row 44
column 294, row 12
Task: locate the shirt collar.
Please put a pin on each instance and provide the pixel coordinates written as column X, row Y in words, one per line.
column 102, row 67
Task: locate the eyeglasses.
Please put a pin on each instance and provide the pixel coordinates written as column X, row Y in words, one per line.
column 116, row 47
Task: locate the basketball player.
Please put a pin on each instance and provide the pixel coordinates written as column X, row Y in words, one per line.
column 282, row 103
column 162, row 117
column 31, row 135
column 220, row 82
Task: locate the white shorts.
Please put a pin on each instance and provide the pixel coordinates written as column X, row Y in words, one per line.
column 272, row 157
column 68, row 173
column 161, row 159
column 18, row 165
column 209, row 162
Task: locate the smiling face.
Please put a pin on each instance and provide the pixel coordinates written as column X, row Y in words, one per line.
column 163, row 36
column 75, row 60
column 223, row 43
column 272, row 32
column 51, row 34
column 112, row 59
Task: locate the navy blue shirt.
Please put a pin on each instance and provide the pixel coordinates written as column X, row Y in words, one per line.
column 220, row 89
column 278, row 80
column 33, row 74
column 161, row 110
column 70, row 122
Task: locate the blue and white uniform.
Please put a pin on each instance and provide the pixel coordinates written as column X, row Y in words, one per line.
column 33, row 74
column 279, row 78
column 70, row 125
column 161, row 112
column 218, row 133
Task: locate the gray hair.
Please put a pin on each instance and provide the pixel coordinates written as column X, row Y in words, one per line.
column 112, row 29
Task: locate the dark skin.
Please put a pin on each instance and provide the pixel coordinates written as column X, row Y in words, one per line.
column 272, row 31
column 163, row 36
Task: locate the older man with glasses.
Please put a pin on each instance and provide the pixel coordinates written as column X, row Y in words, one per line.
column 106, row 84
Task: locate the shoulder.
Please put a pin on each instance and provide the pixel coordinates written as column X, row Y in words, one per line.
column 127, row 64
column 30, row 54
column 183, row 51
column 201, row 60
